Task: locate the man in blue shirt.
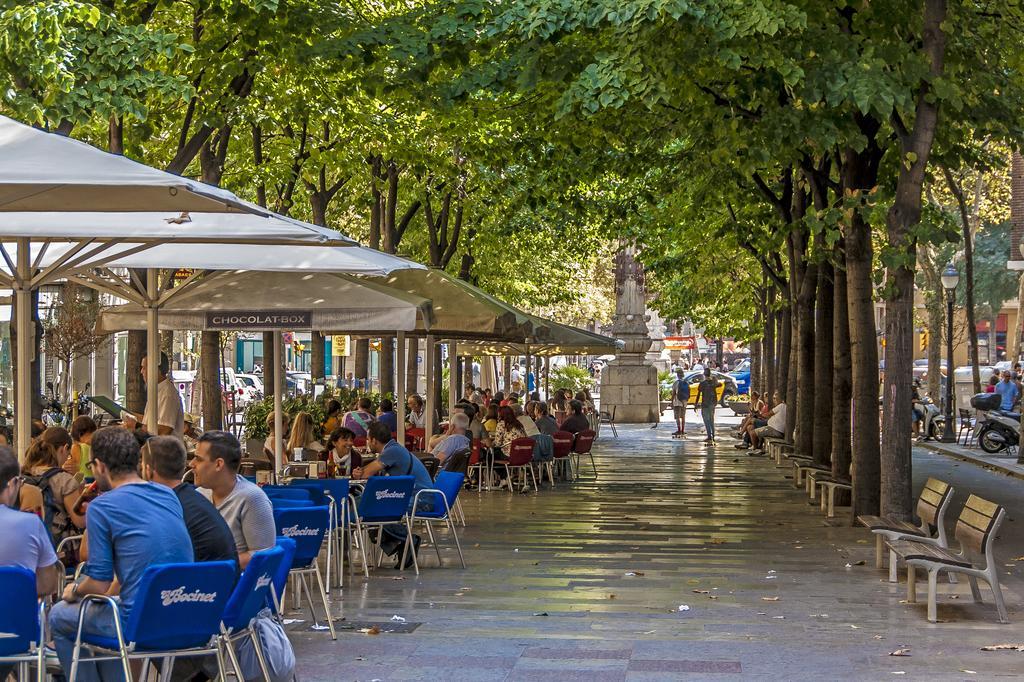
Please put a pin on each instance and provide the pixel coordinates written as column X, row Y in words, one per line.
column 132, row 525
column 1007, row 388
column 395, row 460
column 386, row 415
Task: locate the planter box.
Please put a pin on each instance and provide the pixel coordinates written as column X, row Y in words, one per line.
column 740, row 406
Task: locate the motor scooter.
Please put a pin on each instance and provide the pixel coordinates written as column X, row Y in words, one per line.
column 933, row 421
column 998, row 429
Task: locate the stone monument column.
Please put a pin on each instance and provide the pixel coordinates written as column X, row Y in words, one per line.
column 629, row 384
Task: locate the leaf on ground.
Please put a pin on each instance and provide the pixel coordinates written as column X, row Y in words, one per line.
column 859, row 563
column 458, row 594
column 954, row 596
column 611, row 596
column 399, row 577
column 879, row 637
column 1017, row 558
column 900, row 652
column 779, row 617
column 701, row 591
column 969, row 672
column 542, row 613
column 1003, row 647
column 770, row 598
column 630, row 574
column 371, row 631
column 711, row 596
column 855, row 627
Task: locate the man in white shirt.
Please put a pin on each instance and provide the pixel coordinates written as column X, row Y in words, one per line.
column 170, row 416
column 776, row 424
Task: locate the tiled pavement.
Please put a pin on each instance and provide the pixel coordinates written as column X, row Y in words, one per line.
column 549, row 594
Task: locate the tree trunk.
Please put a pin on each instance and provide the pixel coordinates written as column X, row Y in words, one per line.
column 362, row 363
column 438, row 382
column 897, row 487
column 269, row 368
column 387, row 364
column 859, row 177
column 317, row 356
column 842, row 387
column 805, row 385
column 1013, row 334
column 784, row 325
column 768, row 349
column 209, row 371
column 823, row 365
column 507, row 383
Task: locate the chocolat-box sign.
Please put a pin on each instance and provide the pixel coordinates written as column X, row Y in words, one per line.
column 254, row 319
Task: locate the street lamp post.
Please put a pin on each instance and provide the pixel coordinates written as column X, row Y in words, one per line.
column 950, row 279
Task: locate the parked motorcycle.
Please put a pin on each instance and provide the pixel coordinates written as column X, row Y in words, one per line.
column 53, row 411
column 933, row 421
column 998, row 429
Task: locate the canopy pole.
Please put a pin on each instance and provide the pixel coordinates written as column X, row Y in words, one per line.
column 454, row 390
column 428, row 423
column 400, row 361
column 278, row 414
column 526, row 375
column 152, row 349
column 26, row 330
column 547, row 378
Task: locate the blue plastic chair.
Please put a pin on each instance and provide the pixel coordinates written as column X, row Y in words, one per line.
column 253, row 593
column 336, row 494
column 307, row 527
column 177, row 613
column 291, row 492
column 443, row 496
column 281, row 576
column 385, row 500
column 286, row 503
column 24, row 617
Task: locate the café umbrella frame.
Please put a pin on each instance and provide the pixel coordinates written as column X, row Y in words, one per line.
column 44, row 176
column 276, row 302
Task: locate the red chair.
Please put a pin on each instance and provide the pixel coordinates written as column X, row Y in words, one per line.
column 584, row 445
column 415, row 439
column 563, row 441
column 520, row 457
column 476, row 464
column 359, row 442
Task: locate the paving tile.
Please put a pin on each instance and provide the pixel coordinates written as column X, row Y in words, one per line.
column 688, row 519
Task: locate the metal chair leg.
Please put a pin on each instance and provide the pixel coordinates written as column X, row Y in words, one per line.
column 323, row 596
column 455, row 536
column 257, row 646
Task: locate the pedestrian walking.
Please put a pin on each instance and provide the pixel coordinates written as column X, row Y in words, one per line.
column 707, row 397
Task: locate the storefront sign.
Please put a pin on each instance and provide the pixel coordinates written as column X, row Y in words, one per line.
column 259, row 320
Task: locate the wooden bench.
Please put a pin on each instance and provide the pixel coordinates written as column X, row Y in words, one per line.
column 774, row 447
column 976, row 529
column 801, row 468
column 931, row 508
column 829, row 486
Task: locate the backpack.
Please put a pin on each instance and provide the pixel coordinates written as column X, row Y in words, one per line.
column 52, row 507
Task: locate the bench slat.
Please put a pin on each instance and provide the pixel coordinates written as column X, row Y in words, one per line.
column 916, row 550
column 885, row 523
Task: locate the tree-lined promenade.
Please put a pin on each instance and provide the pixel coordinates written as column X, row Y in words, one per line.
column 780, row 165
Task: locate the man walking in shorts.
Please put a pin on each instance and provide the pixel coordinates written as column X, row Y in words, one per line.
column 680, row 397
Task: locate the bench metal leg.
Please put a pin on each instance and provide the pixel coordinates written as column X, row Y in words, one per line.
column 911, row 584
column 975, row 592
column 892, row 567
column 831, row 501
column 997, row 595
column 932, row 576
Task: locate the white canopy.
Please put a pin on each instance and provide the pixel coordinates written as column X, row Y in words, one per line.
column 257, row 300
column 42, row 171
column 150, row 226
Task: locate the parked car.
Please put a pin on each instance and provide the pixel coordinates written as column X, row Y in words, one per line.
column 741, row 375
column 252, row 384
column 726, row 387
column 921, row 368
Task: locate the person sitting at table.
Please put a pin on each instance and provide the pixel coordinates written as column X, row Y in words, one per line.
column 359, row 419
column 577, row 421
column 560, row 405
column 395, row 460
column 416, row 417
column 340, row 451
column 333, row 416
column 302, row 435
column 42, row 469
column 476, row 430
column 546, row 424
column 499, row 399
column 488, row 397
column 508, row 429
column 491, row 418
column 77, row 463
column 269, row 444
column 529, row 427
column 454, row 439
column 386, row 415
